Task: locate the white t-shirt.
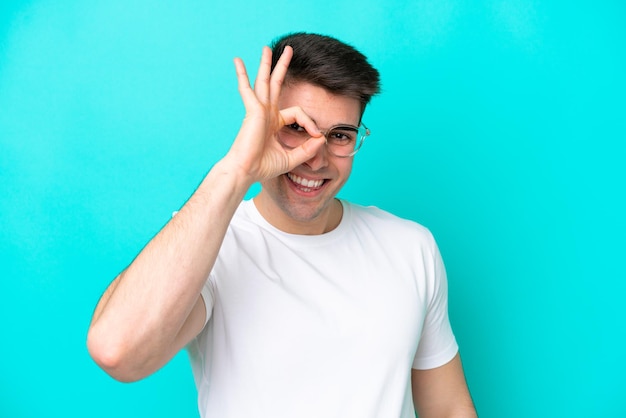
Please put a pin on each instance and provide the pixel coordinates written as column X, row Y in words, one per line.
column 321, row 325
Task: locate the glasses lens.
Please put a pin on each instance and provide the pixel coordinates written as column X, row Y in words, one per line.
column 341, row 140
column 345, row 141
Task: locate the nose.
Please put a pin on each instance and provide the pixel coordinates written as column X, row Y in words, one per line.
column 319, row 160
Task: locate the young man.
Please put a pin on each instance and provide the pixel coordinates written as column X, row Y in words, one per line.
column 293, row 304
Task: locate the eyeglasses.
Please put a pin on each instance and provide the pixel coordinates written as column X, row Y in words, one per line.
column 341, row 140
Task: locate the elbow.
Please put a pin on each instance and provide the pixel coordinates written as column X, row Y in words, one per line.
column 112, row 357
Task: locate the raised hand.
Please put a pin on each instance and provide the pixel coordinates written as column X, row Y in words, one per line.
column 256, row 149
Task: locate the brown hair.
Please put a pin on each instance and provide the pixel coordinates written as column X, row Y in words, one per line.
column 328, row 63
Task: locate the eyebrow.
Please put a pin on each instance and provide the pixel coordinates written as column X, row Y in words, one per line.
column 338, row 124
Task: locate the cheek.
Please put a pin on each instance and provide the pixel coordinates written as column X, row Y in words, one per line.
column 345, row 168
column 273, row 184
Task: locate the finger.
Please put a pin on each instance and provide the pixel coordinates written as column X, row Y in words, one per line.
column 242, row 74
column 279, row 74
column 304, row 152
column 297, row 115
column 243, row 82
column 310, row 147
column 262, row 81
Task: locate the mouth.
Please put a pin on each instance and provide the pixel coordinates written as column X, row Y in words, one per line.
column 305, row 185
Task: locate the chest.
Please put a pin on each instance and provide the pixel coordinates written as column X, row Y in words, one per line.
column 363, row 300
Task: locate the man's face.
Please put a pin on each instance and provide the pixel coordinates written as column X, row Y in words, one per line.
column 302, row 201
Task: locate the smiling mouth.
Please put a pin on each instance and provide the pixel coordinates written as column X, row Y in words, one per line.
column 304, row 184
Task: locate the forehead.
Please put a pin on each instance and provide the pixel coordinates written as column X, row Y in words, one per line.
column 324, row 107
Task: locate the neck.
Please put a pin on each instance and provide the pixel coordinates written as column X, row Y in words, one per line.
column 327, row 220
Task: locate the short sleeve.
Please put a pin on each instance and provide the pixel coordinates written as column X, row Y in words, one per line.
column 437, row 345
column 208, row 296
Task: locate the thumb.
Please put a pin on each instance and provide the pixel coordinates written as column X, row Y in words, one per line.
column 306, row 151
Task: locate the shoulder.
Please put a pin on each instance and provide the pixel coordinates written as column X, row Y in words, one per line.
column 386, row 223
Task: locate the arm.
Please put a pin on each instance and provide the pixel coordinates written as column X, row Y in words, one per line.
column 442, row 392
column 154, row 308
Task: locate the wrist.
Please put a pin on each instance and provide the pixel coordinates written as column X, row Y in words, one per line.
column 228, row 171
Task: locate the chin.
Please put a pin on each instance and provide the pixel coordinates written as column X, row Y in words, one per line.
column 304, row 213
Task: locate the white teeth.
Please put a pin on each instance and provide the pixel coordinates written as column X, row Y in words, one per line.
column 311, row 184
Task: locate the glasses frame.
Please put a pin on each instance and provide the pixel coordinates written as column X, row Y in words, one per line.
column 359, row 140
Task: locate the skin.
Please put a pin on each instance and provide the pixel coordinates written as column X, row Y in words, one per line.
column 300, row 210
column 442, row 392
column 153, row 308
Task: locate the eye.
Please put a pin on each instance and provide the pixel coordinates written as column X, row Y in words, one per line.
column 295, row 127
column 342, row 136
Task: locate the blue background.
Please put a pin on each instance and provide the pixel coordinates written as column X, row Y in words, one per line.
column 501, row 127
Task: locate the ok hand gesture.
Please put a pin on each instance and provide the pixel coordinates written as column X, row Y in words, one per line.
column 256, row 150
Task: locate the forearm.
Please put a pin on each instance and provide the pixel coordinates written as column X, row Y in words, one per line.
column 137, row 321
column 442, row 392
column 445, row 411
